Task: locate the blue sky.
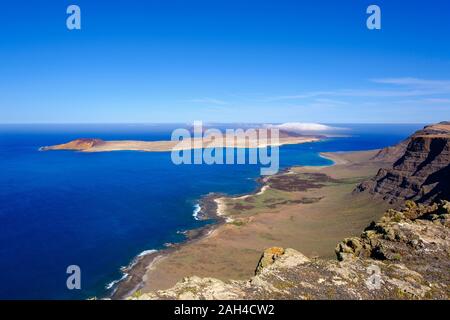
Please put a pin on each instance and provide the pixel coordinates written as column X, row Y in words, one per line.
column 224, row 61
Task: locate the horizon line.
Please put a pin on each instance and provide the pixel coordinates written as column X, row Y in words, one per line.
column 205, row 122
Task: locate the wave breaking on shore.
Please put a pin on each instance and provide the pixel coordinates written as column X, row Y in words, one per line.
column 125, row 269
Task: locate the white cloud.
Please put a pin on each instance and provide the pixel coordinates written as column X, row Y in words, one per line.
column 415, row 82
column 400, row 87
column 209, row 101
column 302, row 127
column 437, row 100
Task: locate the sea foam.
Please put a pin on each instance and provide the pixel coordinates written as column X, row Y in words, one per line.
column 113, row 283
column 197, row 210
column 131, row 265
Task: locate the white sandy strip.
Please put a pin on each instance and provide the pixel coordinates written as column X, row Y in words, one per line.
column 263, row 189
column 151, row 267
column 334, row 157
column 221, row 207
column 242, row 197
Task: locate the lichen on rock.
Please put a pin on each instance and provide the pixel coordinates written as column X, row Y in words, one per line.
column 268, row 257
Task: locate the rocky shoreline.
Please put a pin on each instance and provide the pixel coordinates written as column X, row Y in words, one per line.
column 136, row 271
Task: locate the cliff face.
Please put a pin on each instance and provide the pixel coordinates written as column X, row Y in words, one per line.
column 406, row 255
column 421, row 173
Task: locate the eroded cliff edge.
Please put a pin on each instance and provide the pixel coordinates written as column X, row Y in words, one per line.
column 421, row 168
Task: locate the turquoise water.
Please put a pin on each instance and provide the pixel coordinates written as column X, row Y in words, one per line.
column 100, row 210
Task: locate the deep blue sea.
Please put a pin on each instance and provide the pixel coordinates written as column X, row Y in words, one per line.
column 99, row 210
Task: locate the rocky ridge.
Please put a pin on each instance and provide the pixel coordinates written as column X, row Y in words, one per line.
column 420, row 172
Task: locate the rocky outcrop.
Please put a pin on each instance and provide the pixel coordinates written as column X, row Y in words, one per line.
column 421, row 173
column 405, row 255
column 268, row 257
column 397, row 232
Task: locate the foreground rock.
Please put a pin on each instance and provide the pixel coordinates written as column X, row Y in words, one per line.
column 421, row 171
column 406, row 255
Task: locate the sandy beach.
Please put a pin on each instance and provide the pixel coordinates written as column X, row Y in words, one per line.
column 306, row 208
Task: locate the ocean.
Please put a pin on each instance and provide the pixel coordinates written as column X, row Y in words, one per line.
column 100, row 210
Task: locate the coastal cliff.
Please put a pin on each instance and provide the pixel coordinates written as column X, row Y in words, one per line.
column 406, row 255
column 421, row 171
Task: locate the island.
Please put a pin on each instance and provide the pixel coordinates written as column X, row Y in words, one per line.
column 206, row 141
